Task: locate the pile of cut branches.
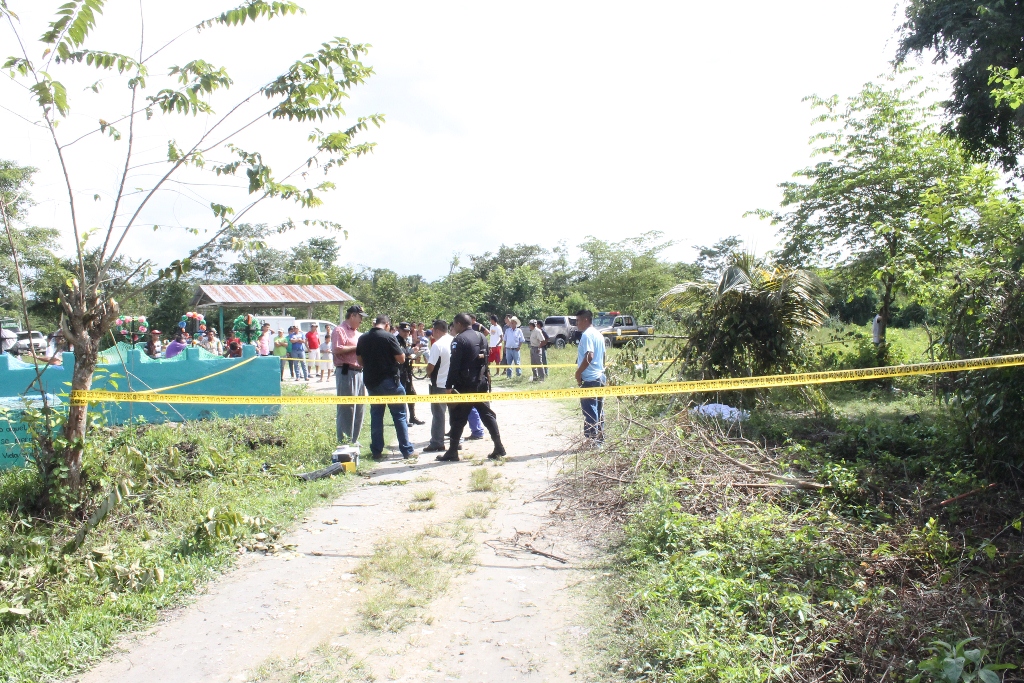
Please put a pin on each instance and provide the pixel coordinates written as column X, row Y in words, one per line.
column 736, row 565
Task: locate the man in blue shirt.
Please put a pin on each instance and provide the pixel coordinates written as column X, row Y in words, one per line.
column 590, row 373
column 513, row 340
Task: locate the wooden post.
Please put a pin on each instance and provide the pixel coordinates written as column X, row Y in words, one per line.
column 220, row 330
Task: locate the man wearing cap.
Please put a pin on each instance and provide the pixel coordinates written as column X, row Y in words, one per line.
column 513, row 340
column 537, row 344
column 348, row 374
column 405, row 371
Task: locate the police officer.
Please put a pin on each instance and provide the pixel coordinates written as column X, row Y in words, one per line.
column 467, row 374
column 405, row 370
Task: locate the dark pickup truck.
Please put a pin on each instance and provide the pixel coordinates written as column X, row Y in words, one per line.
column 619, row 329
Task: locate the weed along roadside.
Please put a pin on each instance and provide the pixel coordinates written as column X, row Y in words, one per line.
column 198, row 496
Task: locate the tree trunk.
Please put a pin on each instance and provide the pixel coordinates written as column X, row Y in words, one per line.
column 86, row 319
column 883, row 324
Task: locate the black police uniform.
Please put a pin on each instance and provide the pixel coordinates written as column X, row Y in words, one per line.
column 467, row 374
column 405, row 375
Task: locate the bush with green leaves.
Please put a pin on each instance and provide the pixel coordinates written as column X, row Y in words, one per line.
column 986, row 318
column 752, row 320
column 953, row 663
column 200, row 491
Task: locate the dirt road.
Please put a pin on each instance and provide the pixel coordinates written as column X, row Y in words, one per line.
column 509, row 613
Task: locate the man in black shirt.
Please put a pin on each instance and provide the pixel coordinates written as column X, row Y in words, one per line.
column 380, row 356
column 405, row 371
column 467, row 374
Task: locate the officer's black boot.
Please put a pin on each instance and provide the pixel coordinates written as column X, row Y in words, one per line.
column 499, row 451
column 451, row 455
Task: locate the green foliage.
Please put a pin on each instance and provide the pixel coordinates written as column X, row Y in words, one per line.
column 156, row 546
column 953, row 664
column 986, row 317
column 706, row 592
column 890, row 201
column 626, row 275
column 974, row 37
column 752, row 320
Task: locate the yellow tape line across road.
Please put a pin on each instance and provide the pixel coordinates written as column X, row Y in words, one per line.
column 84, row 397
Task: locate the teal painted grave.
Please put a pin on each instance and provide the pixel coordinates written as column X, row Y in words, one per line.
column 128, row 369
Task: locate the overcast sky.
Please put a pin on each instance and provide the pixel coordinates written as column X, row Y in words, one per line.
column 529, row 122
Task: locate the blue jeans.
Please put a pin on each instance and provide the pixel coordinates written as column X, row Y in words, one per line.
column 593, row 413
column 476, row 427
column 298, row 365
column 389, row 387
column 512, row 358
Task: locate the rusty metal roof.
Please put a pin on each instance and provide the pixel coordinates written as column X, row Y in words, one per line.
column 267, row 295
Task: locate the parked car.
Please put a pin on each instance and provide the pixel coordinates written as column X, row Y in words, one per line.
column 618, row 329
column 278, row 322
column 560, row 329
column 37, row 343
column 305, row 325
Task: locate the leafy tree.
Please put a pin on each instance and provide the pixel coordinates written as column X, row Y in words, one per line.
column 310, row 90
column 884, row 202
column 714, row 259
column 976, row 36
column 751, row 320
column 518, row 291
column 509, row 258
column 459, row 291
column 34, row 247
column 627, row 275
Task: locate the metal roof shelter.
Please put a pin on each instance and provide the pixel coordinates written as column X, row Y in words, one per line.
column 268, row 296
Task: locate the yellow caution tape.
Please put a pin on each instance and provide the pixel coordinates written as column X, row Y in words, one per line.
column 731, row 384
column 201, row 379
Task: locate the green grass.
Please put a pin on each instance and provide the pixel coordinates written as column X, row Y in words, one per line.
column 242, row 469
column 850, row 346
column 422, row 500
column 480, row 509
column 403, row 575
column 326, row 664
column 482, row 480
column 748, row 584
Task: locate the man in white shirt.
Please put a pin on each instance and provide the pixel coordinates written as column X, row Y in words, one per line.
column 537, row 343
column 437, row 369
column 513, row 340
column 494, row 340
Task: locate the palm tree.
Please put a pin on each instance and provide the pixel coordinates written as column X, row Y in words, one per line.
column 750, row 320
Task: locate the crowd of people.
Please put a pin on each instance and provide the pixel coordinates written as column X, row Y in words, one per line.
column 379, row 362
column 458, row 355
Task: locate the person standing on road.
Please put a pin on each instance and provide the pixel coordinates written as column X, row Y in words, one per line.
column 348, row 374
column 513, row 340
column 405, row 340
column 537, row 344
column 468, row 374
column 325, row 353
column 590, row 373
column 494, row 341
column 437, row 369
column 297, row 351
column 313, row 344
column 544, row 349
column 381, row 356
column 281, row 350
